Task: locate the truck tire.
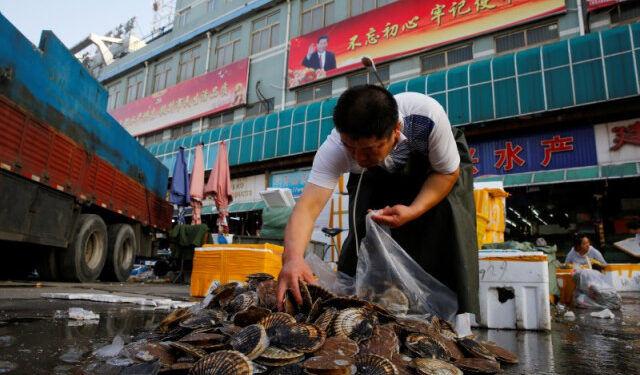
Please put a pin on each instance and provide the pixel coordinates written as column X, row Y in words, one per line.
column 122, row 253
column 84, row 259
column 47, row 264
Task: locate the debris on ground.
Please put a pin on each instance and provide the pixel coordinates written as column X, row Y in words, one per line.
column 78, row 313
column 603, row 314
column 160, row 303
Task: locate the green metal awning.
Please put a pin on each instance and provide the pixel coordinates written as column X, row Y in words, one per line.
column 235, row 207
column 601, row 172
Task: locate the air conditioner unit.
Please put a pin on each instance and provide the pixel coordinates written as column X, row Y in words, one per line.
column 278, row 197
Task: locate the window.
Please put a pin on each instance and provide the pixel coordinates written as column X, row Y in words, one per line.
column 260, row 108
column 134, row 87
column 313, row 92
column 210, row 6
column 365, row 77
column 266, row 32
column 218, row 120
column 161, row 75
column 439, row 60
column 527, row 37
column 316, row 14
column 188, row 61
column 625, row 12
column 153, row 138
column 181, row 130
column 361, row 6
column 183, row 17
column 114, row 94
column 228, row 48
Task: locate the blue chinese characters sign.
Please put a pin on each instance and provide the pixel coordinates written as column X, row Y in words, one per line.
column 560, row 149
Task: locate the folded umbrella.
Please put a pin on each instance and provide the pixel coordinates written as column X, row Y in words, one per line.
column 179, row 192
column 197, row 185
column 219, row 185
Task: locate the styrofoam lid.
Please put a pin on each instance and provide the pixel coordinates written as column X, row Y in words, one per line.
column 508, row 254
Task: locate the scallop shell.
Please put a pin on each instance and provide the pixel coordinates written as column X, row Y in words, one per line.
column 300, row 337
column 188, row 349
column 342, row 303
column 394, row 300
column 275, row 320
column 413, row 325
column 314, row 312
column 203, row 338
column 403, row 363
column 223, row 362
column 174, row 317
column 475, row 349
column 430, row 366
column 151, row 351
column 384, row 342
column 267, row 296
column 204, row 319
column 251, row 341
column 318, row 292
column 370, row 364
column 252, row 315
column 501, row 354
column 289, row 304
column 325, row 320
column 334, row 365
column 262, row 276
column 292, row 369
column 307, row 302
column 427, row 346
column 279, row 357
column 477, row 366
column 223, row 294
column 243, row 301
column 338, row 346
column 452, row 347
column 355, row 323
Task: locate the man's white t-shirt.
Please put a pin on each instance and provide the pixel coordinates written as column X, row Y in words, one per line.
column 425, row 128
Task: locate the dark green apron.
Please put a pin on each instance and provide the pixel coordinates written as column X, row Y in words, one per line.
column 443, row 240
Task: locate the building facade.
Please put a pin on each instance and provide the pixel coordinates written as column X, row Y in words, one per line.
column 547, row 92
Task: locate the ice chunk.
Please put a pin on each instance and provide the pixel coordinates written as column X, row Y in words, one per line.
column 110, row 350
column 73, row 355
column 603, row 314
column 569, row 315
column 78, row 313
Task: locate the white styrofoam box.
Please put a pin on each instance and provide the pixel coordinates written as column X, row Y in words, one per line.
column 624, row 277
column 278, row 197
column 514, row 290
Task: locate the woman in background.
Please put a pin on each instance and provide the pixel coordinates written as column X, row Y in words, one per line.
column 582, row 252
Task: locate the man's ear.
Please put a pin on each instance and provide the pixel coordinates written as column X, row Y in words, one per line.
column 398, row 126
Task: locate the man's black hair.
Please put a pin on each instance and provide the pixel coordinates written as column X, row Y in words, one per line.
column 323, row 37
column 366, row 111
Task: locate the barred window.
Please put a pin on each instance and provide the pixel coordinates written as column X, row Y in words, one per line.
column 161, row 75
column 316, row 14
column 218, row 120
column 188, row 60
column 365, row 77
column 134, row 87
column 179, row 131
column 228, row 48
column 442, row 59
column 260, row 108
column 153, row 138
column 265, row 32
column 314, row 92
column 361, row 6
column 526, row 37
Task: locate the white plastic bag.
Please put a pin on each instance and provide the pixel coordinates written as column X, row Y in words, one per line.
column 386, row 274
column 593, row 291
column 334, row 281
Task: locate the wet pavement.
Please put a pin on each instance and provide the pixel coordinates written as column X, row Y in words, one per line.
column 36, row 338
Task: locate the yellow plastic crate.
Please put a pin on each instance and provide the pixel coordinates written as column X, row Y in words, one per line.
column 232, row 262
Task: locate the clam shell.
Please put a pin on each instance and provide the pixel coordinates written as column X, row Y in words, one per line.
column 251, row 341
column 325, row 320
column 430, row 366
column 477, row 366
column 329, row 365
column 318, row 292
column 279, row 357
column 384, row 342
column 501, row 354
column 222, row 363
column 369, row 364
column 252, row 315
column 300, row 337
column 475, row 349
column 243, row 301
column 341, row 346
column 427, row 346
column 355, row 323
column 188, row 349
column 267, row 296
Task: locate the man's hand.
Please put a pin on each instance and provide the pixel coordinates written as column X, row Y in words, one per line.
column 293, row 270
column 395, row 216
column 312, row 49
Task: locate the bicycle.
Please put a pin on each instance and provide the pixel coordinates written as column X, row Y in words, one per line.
column 330, row 233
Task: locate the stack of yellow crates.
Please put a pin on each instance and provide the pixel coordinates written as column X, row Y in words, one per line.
column 490, row 215
column 232, row 262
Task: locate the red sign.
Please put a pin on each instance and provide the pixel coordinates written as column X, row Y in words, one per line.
column 404, row 27
column 595, row 4
column 629, row 134
column 200, row 96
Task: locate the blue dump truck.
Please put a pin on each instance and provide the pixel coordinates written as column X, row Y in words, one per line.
column 79, row 197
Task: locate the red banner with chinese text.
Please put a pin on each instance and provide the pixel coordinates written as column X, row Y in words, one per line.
column 596, row 4
column 200, row 96
column 405, row 27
